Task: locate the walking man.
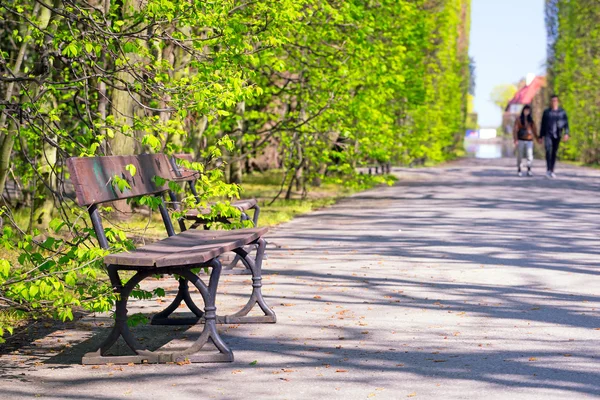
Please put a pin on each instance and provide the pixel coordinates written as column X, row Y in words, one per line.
column 555, row 126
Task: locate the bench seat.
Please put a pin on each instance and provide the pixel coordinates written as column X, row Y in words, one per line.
column 191, row 247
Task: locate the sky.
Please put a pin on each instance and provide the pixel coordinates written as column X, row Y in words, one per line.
column 508, row 40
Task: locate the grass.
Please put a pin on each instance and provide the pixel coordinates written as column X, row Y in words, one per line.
column 265, row 186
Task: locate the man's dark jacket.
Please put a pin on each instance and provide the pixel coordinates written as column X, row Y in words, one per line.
column 550, row 118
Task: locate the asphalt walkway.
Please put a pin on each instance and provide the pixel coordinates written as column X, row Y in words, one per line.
column 460, row 282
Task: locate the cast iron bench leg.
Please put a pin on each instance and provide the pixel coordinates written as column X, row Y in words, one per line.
column 209, row 294
column 120, row 328
column 241, row 317
column 183, row 294
column 230, row 268
column 256, row 214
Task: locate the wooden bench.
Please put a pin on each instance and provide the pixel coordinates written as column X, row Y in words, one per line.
column 177, row 254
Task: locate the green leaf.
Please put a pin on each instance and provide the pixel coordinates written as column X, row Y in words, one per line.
column 158, row 180
column 4, row 268
column 121, row 183
column 71, row 50
column 65, row 314
column 49, row 243
column 137, row 319
column 152, row 141
column 56, row 224
column 71, row 278
column 33, row 291
column 131, row 168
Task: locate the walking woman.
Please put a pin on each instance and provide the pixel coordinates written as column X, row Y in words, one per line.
column 524, row 133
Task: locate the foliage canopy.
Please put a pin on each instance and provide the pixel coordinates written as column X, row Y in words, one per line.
column 316, row 87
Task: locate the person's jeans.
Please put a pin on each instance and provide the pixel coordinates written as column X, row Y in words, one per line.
column 525, row 147
column 551, row 145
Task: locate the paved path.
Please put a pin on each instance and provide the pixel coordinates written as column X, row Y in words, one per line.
column 460, row 282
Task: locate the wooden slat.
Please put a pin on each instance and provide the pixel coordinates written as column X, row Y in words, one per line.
column 191, row 247
column 244, row 205
column 92, row 176
column 226, row 240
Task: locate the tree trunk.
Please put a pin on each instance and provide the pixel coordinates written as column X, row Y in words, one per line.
column 196, row 139
column 7, row 140
column 124, row 104
column 43, row 211
column 235, row 163
column 101, row 87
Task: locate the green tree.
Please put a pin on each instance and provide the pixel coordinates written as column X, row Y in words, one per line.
column 502, row 94
column 574, row 72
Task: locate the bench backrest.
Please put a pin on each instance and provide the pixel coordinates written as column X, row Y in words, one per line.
column 93, row 177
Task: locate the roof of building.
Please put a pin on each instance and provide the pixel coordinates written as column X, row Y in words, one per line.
column 526, row 94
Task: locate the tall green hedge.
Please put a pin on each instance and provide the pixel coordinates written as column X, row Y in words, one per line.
column 574, row 72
